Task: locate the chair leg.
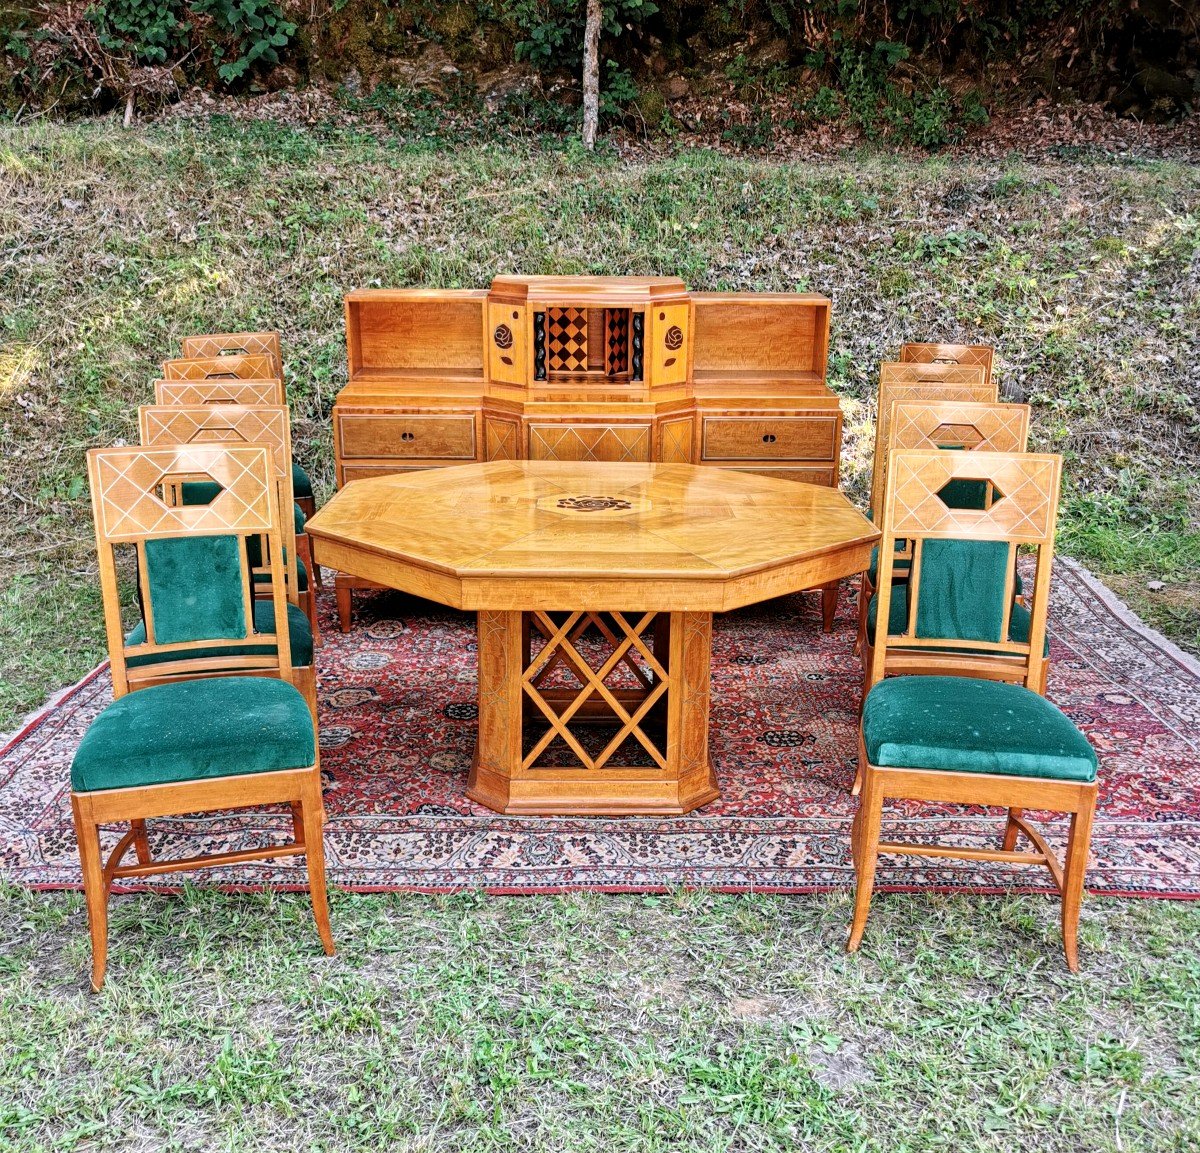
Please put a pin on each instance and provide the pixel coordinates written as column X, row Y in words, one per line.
column 1011, row 831
column 345, row 605
column 312, row 812
column 140, row 844
column 95, row 891
column 1074, row 869
column 305, row 679
column 829, row 604
column 869, row 818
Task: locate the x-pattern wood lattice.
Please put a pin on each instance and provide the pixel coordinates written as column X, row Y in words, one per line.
column 234, row 344
column 128, row 506
column 1024, row 513
column 582, row 442
column 624, row 635
column 220, row 368
column 219, row 391
column 894, row 393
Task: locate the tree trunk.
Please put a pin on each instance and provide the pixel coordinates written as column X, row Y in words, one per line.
column 591, row 74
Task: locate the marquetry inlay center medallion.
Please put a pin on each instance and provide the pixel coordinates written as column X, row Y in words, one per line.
column 594, row 505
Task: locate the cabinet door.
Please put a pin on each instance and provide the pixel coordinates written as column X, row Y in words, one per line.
column 667, row 343
column 508, row 352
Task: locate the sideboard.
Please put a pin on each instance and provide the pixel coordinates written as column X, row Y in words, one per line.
column 621, row 368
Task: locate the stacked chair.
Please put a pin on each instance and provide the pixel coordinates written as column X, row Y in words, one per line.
column 955, row 651
column 215, row 690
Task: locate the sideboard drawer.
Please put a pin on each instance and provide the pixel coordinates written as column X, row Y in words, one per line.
column 415, row 436
column 769, row 438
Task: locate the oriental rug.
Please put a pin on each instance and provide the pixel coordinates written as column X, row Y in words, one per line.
column 398, row 727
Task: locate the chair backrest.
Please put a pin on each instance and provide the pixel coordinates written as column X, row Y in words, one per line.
column 980, row 354
column 931, row 372
column 213, row 344
column 233, row 424
column 959, row 592
column 206, row 625
column 953, row 424
column 893, row 392
column 220, row 368
column 267, row 391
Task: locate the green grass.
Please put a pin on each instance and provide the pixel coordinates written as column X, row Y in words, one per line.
column 684, row 1022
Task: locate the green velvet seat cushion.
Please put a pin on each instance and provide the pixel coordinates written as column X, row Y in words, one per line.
column 963, row 725
column 195, row 730
column 299, row 635
column 301, row 485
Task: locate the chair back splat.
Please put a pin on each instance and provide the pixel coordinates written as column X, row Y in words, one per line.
column 900, row 384
column 216, row 344
column 960, row 354
column 206, row 622
column 959, row 615
column 269, row 390
column 220, row 368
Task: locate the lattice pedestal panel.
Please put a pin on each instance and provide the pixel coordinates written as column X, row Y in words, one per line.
column 583, row 712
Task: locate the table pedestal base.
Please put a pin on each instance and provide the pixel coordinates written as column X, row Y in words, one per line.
column 593, row 713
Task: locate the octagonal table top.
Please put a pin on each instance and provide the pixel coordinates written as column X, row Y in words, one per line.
column 560, row 534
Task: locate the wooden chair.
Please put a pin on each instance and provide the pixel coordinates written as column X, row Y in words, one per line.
column 980, row 354
column 969, row 425
column 216, row 348
column 965, row 721
column 899, row 388
column 212, row 721
column 220, row 368
column 214, row 344
column 248, row 424
column 235, row 391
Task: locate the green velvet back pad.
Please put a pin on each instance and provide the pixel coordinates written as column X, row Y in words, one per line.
column 971, row 494
column 196, row 589
column 962, row 590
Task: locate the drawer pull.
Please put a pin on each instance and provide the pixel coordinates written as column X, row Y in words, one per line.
column 768, row 438
column 406, row 436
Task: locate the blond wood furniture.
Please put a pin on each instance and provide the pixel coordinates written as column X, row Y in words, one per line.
column 960, row 354
column 220, row 368
column 595, row 585
column 246, row 424
column 214, row 344
column 586, row 369
column 944, row 383
column 219, row 391
column 214, row 660
column 1000, row 743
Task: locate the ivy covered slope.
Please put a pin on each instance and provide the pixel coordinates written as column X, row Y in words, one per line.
column 1081, row 268
column 921, row 72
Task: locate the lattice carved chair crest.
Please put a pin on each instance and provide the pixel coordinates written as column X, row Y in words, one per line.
column 937, row 372
column 891, row 393
column 220, row 368
column 1023, row 512
column 266, row 391
column 980, row 354
column 218, row 344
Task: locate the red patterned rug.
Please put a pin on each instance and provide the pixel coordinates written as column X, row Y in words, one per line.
column 398, row 726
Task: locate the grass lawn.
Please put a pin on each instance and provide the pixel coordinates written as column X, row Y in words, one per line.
column 690, row 1021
